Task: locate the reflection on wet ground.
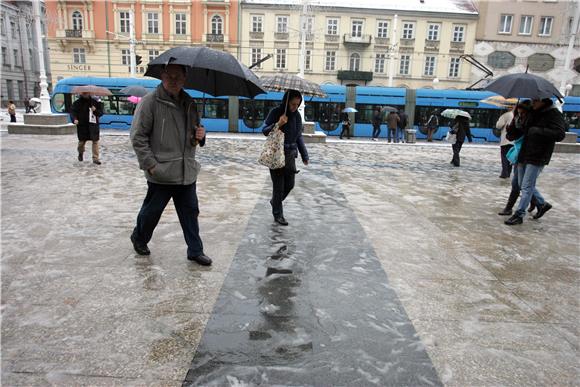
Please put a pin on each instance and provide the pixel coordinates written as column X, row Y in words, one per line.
column 395, row 270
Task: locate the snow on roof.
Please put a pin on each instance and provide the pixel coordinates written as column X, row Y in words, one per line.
column 436, row 6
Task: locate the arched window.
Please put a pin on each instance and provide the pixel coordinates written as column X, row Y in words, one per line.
column 354, row 62
column 216, row 25
column 77, row 20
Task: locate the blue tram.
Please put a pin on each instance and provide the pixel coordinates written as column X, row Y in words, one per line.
column 244, row 115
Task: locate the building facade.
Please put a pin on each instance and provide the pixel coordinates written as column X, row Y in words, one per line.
column 528, row 34
column 92, row 38
column 20, row 63
column 375, row 43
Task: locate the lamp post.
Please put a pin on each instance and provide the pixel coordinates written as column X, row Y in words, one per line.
column 44, row 97
column 435, row 83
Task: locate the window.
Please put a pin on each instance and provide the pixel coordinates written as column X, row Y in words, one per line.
column 433, row 31
column 125, row 22
column 380, row 63
column 429, row 66
column 2, row 27
column 180, row 24
column 31, row 59
column 309, row 24
column 79, row 55
column 257, row 23
column 357, row 27
column 458, row 33
column 13, row 29
column 404, row 64
column 152, row 23
column 408, row 30
column 526, row 23
column 126, row 57
column 10, row 89
column 330, row 62
column 382, row 29
column 217, row 25
column 20, row 90
column 77, row 20
column 280, row 58
column 29, row 31
column 308, row 60
column 354, row 64
column 153, row 54
column 4, row 57
column 16, row 56
column 256, row 57
column 546, row 26
column 505, row 24
column 282, row 24
column 332, row 26
column 454, row 67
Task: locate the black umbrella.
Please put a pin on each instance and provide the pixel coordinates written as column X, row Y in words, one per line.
column 523, row 85
column 136, row 90
column 210, row 71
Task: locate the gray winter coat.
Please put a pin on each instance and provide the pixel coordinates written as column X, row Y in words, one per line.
column 161, row 135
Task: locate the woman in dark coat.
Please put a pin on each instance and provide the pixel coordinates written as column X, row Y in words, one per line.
column 461, row 130
column 85, row 113
column 286, row 118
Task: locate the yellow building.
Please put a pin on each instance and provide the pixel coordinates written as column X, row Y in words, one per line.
column 358, row 43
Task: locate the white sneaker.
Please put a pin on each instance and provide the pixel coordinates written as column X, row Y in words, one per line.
column 374, row 139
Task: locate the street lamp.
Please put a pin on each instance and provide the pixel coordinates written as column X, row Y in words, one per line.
column 435, row 82
column 568, row 89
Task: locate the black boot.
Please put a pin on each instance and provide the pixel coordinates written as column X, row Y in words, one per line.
column 515, row 219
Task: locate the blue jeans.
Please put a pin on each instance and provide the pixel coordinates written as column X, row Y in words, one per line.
column 400, row 134
column 185, row 201
column 527, row 176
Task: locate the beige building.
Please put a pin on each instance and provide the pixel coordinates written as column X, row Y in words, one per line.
column 513, row 35
column 91, row 37
column 377, row 43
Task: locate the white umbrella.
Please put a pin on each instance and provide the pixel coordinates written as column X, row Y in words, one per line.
column 452, row 113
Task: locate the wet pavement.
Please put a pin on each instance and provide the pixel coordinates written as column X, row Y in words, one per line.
column 395, row 270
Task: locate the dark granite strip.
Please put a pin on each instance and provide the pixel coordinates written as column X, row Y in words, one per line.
column 309, row 304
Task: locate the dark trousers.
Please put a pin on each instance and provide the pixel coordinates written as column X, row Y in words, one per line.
column 282, row 184
column 376, row 131
column 392, row 132
column 185, row 201
column 12, row 117
column 345, row 131
column 456, row 149
column 506, row 167
column 430, row 131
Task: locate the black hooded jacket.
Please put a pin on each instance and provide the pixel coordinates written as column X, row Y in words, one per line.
column 542, row 129
column 293, row 140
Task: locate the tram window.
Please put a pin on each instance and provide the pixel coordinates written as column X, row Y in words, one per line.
column 58, row 103
column 212, row 107
column 256, row 110
column 365, row 113
column 572, row 119
column 125, row 107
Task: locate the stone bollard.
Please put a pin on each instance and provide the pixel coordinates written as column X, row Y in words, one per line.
column 410, row 136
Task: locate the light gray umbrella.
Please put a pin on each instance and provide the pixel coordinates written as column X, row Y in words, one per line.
column 136, row 90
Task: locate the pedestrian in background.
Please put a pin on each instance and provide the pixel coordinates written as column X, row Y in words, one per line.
column 286, row 118
column 377, row 120
column 345, row 126
column 505, row 144
column 432, row 125
column 461, row 129
column 12, row 111
column 542, row 130
column 404, row 120
column 165, row 133
column 85, row 113
column 393, row 120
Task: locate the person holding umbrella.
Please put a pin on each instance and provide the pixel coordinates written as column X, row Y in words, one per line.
column 460, row 129
column 286, row 118
column 85, row 113
column 164, row 133
column 543, row 129
column 377, row 120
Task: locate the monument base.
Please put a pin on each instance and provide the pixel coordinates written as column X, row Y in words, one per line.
column 43, row 124
column 310, row 135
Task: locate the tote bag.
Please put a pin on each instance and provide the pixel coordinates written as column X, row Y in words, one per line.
column 514, row 152
column 272, row 155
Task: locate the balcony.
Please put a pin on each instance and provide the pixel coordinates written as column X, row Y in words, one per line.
column 348, row 75
column 382, row 41
column 331, row 38
column 73, row 33
column 407, row 43
column 281, row 36
column 256, row 35
column 457, row 47
column 431, row 45
column 364, row 40
column 214, row 38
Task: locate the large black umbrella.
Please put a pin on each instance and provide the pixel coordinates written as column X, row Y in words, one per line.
column 523, row 85
column 210, row 71
column 136, row 90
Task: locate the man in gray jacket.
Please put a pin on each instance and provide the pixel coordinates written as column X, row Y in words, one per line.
column 164, row 134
